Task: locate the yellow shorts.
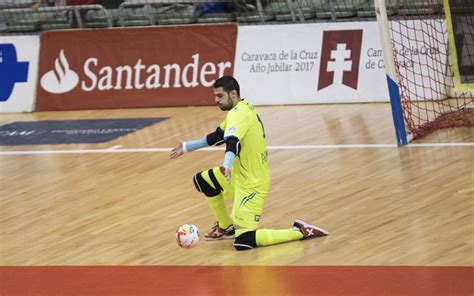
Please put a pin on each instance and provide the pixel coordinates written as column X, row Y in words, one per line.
column 248, row 207
column 248, row 203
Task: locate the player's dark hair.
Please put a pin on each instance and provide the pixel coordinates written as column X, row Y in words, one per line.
column 228, row 83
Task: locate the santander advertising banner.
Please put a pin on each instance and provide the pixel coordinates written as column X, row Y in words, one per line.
column 128, row 68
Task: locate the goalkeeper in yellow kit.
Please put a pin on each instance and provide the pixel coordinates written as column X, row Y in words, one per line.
column 243, row 176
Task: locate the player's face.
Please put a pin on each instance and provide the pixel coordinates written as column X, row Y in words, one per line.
column 223, row 99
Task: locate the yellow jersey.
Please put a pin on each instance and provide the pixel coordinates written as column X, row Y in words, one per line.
column 250, row 169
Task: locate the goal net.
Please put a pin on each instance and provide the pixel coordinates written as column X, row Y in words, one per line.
column 433, row 49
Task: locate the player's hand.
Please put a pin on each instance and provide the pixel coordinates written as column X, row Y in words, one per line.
column 177, row 151
column 226, row 172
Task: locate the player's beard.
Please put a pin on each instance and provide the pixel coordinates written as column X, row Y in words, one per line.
column 226, row 107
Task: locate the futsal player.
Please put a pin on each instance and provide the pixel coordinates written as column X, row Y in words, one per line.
column 243, row 176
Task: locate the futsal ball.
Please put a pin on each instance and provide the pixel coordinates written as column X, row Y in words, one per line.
column 187, row 236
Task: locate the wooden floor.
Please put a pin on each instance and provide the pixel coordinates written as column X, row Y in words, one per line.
column 384, row 206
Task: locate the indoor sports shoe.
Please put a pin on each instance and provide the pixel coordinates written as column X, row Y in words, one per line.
column 218, row 233
column 309, row 230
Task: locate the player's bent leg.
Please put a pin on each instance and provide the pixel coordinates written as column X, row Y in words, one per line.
column 210, row 182
column 248, row 239
column 300, row 230
column 245, row 240
column 213, row 184
column 268, row 237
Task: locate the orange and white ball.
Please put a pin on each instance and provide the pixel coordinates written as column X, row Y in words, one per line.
column 187, row 236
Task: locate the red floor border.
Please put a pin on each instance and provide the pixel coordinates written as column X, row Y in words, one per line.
column 235, row 280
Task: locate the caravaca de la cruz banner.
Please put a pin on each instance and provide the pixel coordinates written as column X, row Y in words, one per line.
column 136, row 67
column 311, row 63
column 325, row 63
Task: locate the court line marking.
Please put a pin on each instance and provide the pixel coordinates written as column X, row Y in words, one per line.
column 283, row 147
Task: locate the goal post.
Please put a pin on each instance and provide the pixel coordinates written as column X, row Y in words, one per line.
column 429, row 56
column 392, row 82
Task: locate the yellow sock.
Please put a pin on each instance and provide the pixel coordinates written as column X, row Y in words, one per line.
column 267, row 237
column 217, row 205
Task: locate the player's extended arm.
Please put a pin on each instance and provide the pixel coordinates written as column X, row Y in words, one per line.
column 232, row 150
column 214, row 138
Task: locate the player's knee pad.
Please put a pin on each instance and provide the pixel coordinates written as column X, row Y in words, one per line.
column 246, row 241
column 210, row 187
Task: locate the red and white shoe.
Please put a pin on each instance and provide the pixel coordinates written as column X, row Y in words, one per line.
column 309, row 230
column 218, row 233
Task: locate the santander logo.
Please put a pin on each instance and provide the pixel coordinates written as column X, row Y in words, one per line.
column 61, row 79
column 96, row 75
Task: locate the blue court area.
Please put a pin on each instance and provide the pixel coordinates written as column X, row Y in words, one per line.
column 71, row 131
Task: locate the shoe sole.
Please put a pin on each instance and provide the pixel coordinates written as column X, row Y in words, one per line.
column 306, row 224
